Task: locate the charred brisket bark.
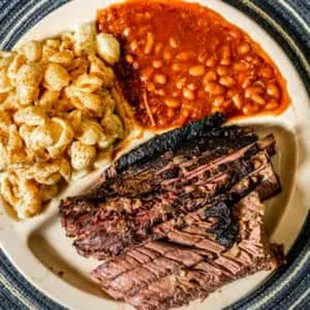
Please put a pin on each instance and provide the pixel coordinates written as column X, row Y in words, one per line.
column 121, row 232
column 108, row 227
column 179, row 216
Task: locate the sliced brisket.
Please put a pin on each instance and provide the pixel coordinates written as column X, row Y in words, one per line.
column 247, row 256
column 179, row 216
column 116, row 232
column 89, row 219
column 143, row 265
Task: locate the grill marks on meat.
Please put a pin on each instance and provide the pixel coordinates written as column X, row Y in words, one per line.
column 161, row 273
column 126, row 275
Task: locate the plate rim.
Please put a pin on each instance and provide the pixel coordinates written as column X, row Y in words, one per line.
column 307, row 221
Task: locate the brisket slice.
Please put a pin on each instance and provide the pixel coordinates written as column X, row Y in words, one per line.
column 151, row 279
column 145, row 177
column 112, row 235
column 214, row 220
column 144, row 264
column 170, row 141
column 126, row 275
column 82, row 216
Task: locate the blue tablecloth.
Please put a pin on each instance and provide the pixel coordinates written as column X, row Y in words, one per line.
column 281, row 18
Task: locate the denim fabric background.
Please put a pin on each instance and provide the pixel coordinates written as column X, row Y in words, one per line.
column 278, row 17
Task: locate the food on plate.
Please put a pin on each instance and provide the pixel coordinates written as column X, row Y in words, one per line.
column 161, row 275
column 167, row 177
column 58, row 114
column 179, row 216
column 181, row 62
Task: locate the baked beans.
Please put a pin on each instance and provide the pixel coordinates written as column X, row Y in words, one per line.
column 160, row 79
column 198, row 70
column 182, row 61
column 173, row 42
column 188, row 94
column 157, row 63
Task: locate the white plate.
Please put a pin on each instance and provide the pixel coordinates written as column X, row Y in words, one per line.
column 39, row 248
